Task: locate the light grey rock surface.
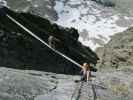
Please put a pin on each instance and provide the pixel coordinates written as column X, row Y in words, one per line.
column 43, row 8
column 35, row 85
column 118, row 52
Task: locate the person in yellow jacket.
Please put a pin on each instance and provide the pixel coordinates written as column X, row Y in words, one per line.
column 86, row 72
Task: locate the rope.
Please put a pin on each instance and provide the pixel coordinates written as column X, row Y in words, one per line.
column 94, row 92
column 38, row 38
column 77, row 92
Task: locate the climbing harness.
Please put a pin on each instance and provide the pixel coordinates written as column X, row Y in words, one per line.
column 42, row 41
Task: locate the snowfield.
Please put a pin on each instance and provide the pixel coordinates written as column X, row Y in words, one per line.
column 91, row 19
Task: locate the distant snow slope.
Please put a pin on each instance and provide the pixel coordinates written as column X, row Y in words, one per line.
column 96, row 23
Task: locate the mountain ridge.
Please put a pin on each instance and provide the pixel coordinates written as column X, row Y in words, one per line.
column 89, row 15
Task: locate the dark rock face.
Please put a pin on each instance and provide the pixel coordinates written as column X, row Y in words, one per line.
column 119, row 51
column 19, row 49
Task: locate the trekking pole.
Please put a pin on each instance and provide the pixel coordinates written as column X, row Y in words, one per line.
column 42, row 41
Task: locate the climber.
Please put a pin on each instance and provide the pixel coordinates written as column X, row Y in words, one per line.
column 86, row 72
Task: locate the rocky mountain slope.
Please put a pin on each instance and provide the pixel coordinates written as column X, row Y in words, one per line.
column 119, row 51
column 99, row 18
column 35, row 85
column 20, row 50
